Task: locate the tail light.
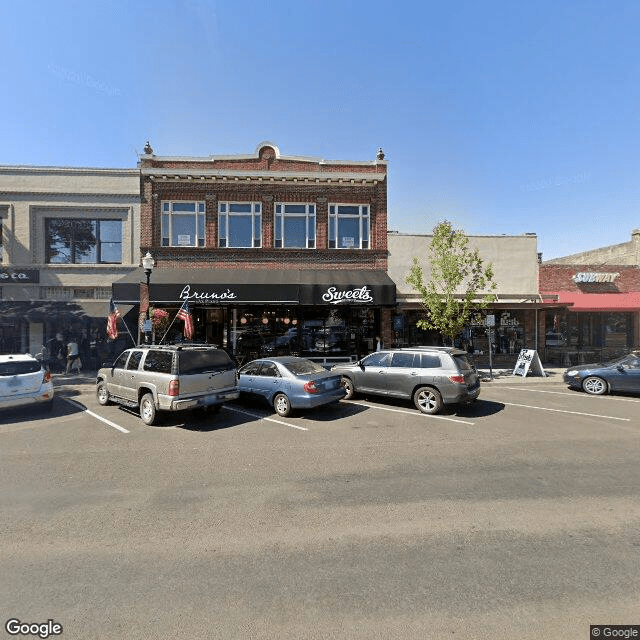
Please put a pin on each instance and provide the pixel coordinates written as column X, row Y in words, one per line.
column 310, row 387
column 47, row 377
column 457, row 379
column 174, row 388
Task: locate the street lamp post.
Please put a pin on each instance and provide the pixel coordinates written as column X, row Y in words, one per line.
column 147, row 264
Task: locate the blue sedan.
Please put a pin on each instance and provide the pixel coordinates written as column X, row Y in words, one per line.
column 288, row 382
column 597, row 379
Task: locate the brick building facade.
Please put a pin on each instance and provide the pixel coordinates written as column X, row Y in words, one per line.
column 269, row 250
column 601, row 318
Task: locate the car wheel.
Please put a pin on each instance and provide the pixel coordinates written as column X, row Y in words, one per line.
column 594, row 386
column 282, row 405
column 102, row 394
column 348, row 386
column 427, row 400
column 147, row 409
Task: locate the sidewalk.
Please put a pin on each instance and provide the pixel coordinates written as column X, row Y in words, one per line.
column 64, row 379
column 505, row 376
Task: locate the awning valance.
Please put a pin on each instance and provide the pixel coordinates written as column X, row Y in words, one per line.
column 629, row 301
column 260, row 286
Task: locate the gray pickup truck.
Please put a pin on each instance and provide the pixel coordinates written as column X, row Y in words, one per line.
column 156, row 378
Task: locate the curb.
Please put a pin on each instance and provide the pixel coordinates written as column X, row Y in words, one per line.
column 505, row 376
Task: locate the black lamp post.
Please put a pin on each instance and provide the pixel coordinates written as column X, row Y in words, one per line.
column 147, row 264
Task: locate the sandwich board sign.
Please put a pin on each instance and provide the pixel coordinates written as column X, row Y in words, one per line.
column 528, row 361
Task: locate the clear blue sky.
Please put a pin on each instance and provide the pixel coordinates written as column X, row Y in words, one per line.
column 504, row 117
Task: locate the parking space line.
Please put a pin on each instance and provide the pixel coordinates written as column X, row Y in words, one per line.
column 573, row 394
column 575, row 413
column 411, row 413
column 95, row 415
column 257, row 415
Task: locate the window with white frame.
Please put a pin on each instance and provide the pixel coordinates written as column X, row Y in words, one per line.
column 183, row 224
column 295, row 226
column 348, row 226
column 239, row 224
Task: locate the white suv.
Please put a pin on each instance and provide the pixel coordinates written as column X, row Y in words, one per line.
column 24, row 382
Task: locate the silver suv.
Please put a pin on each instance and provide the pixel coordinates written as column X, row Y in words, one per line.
column 155, row 378
column 430, row 376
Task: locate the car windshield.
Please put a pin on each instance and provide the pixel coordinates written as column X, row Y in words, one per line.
column 204, row 361
column 302, row 367
column 630, row 360
column 19, row 367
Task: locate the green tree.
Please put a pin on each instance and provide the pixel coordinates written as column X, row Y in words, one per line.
column 460, row 283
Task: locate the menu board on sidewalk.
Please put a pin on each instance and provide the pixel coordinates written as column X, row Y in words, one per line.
column 528, row 362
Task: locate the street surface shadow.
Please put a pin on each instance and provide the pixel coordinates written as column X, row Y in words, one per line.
column 324, row 413
column 196, row 420
column 478, row 409
column 29, row 414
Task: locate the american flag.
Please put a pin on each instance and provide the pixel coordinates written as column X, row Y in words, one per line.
column 112, row 320
column 185, row 314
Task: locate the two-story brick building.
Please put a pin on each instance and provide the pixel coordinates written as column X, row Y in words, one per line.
column 273, row 253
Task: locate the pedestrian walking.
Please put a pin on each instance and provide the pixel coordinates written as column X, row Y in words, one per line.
column 73, row 356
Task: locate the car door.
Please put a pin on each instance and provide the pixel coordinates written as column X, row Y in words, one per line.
column 372, row 373
column 627, row 376
column 247, row 377
column 116, row 375
column 402, row 374
column 268, row 381
column 130, row 377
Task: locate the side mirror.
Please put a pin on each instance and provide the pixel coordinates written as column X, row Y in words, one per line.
column 620, row 368
column 361, row 364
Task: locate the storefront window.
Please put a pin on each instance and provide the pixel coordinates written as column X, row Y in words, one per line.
column 612, row 332
column 312, row 332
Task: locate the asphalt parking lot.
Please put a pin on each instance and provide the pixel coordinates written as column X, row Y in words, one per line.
column 516, row 516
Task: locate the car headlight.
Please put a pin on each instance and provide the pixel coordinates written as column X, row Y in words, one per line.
column 572, row 372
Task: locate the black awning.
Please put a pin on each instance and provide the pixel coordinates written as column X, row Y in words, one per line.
column 260, row 286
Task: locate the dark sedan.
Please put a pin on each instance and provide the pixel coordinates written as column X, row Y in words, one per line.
column 621, row 375
column 288, row 382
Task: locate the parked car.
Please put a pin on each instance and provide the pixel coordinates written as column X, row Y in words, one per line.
column 431, row 376
column 289, row 382
column 24, row 382
column 155, row 378
column 622, row 374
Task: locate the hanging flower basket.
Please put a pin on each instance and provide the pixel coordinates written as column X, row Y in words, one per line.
column 159, row 319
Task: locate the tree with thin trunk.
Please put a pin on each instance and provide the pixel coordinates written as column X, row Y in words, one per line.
column 460, row 284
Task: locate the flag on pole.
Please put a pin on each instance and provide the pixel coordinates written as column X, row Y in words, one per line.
column 185, row 314
column 112, row 320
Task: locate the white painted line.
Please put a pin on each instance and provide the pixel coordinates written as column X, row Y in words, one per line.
column 411, row 413
column 95, row 415
column 575, row 413
column 257, row 415
column 577, row 394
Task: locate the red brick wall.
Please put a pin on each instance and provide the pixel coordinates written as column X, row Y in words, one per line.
column 558, row 277
column 267, row 192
